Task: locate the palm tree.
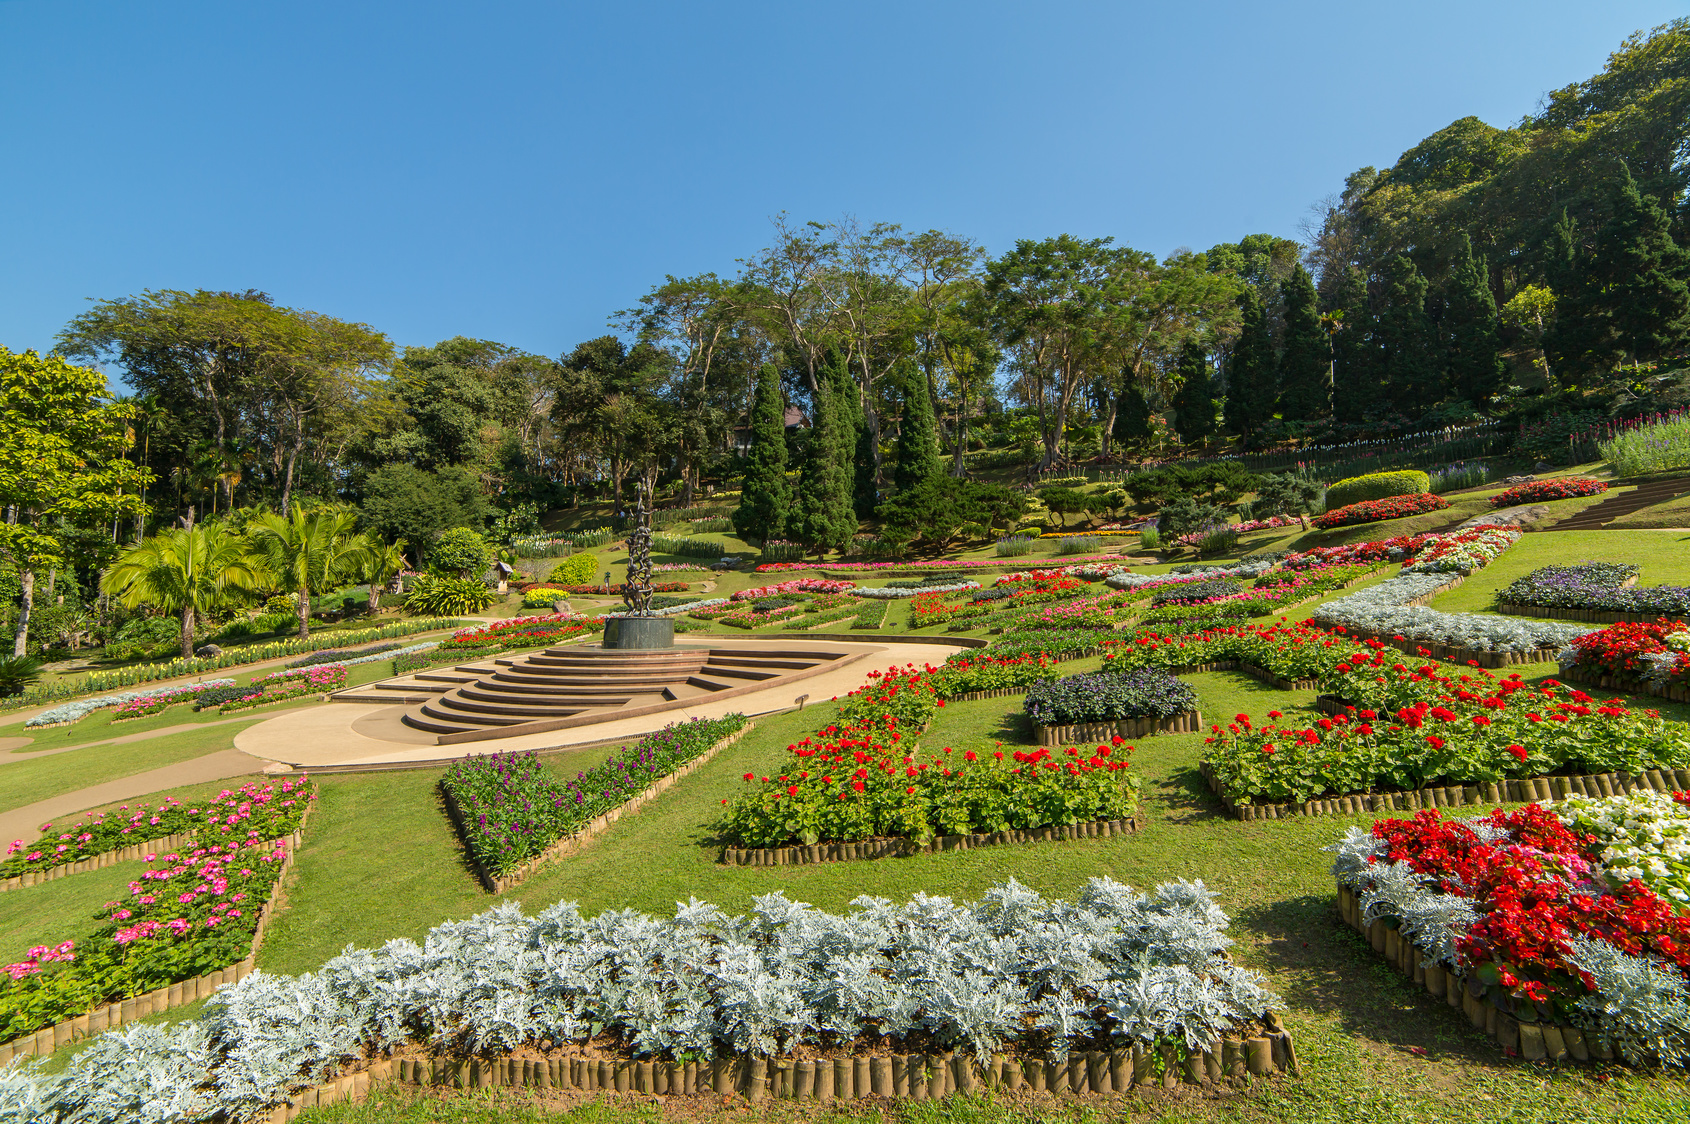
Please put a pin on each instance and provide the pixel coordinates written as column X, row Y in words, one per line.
column 384, row 561
column 309, row 552
column 190, row 571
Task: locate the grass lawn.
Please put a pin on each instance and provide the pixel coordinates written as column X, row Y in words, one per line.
column 25, row 782
column 1673, row 513
column 1662, row 555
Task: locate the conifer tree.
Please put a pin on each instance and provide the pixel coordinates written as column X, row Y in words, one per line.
column 1251, row 376
column 1305, row 363
column 1476, row 366
column 825, row 519
column 1355, row 355
column 764, row 497
column 1132, row 417
column 1194, row 401
column 1409, row 341
column 918, row 436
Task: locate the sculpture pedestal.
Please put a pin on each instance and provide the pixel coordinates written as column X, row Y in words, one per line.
column 639, row 632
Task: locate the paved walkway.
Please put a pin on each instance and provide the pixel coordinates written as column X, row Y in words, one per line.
column 25, row 823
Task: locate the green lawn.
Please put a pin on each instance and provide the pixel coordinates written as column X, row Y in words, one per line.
column 25, row 782
column 1663, row 556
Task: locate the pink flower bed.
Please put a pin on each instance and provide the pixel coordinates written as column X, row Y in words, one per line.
column 880, row 567
column 797, row 585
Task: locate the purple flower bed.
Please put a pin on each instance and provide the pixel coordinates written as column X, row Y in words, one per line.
column 1595, row 585
column 513, row 807
column 1107, row 696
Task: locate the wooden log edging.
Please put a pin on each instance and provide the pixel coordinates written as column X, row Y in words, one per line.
column 98, row 862
column 1185, row 722
column 1488, row 793
column 1587, row 616
column 1532, row 1040
column 1232, row 1059
column 1449, row 653
column 903, row 847
column 975, row 696
column 1675, row 692
column 593, row 828
column 122, row 1012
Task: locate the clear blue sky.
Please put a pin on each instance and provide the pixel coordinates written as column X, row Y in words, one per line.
column 518, row 171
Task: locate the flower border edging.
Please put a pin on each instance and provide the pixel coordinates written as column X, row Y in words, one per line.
column 1677, row 692
column 1584, row 616
column 97, row 862
column 904, row 847
column 1185, row 722
column 594, row 827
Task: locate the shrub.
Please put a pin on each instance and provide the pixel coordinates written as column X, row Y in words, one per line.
column 281, row 604
column 444, row 595
column 460, row 551
column 1079, row 544
column 1013, row 546
column 577, row 569
column 1218, row 540
column 1150, row 539
column 1376, row 486
column 1372, row 511
column 685, row 546
column 1105, row 696
column 1558, row 488
column 17, row 673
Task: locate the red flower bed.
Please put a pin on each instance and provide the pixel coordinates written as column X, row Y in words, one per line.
column 1372, row 511
column 613, row 590
column 1624, row 650
column 1560, row 488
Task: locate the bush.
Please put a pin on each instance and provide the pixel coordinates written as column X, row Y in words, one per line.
column 1539, row 491
column 281, row 603
column 1372, row 511
column 17, row 673
column 443, row 595
column 1376, row 486
column 1013, row 546
column 685, row 547
column 1220, row 540
column 1106, row 696
column 460, row 551
column 577, row 569
column 1150, row 539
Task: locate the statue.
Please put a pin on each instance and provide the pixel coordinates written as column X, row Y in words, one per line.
column 636, row 591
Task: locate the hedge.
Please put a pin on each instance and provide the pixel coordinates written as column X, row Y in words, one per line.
column 1376, row 486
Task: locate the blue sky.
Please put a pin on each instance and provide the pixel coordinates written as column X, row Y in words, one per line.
column 519, row 171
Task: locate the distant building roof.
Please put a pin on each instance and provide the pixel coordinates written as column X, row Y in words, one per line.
column 795, row 416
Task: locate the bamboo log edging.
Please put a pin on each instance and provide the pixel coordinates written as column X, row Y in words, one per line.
column 110, row 1016
column 975, row 696
column 1185, row 722
column 98, row 862
column 1676, row 692
column 1534, row 1041
column 1450, row 653
column 931, row 1076
column 1519, row 791
column 903, row 847
column 593, row 828
column 1588, row 616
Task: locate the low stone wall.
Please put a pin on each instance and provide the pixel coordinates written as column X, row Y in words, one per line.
column 1185, row 722
column 868, row 849
column 98, row 862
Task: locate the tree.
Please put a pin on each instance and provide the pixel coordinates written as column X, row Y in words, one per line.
column 1250, row 378
column 1132, row 417
column 1408, row 341
column 461, row 552
column 918, row 438
column 402, row 502
column 309, row 552
column 825, row 518
column 936, row 510
column 382, row 563
column 1194, row 398
column 1355, row 358
column 608, row 394
column 1476, row 366
column 1531, row 312
column 61, row 463
column 1065, row 501
column 1285, row 493
column 764, row 496
column 187, row 570
column 1305, row 361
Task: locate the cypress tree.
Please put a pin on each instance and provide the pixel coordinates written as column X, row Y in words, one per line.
column 1305, row 364
column 1409, row 341
column 1194, row 401
column 1476, row 366
column 824, row 517
column 1251, row 376
column 764, row 497
column 1132, row 417
column 1355, row 357
column 918, row 434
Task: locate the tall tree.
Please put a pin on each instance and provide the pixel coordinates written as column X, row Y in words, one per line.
column 608, row 394
column 1251, row 375
column 1476, row 366
column 1355, row 360
column 307, row 553
column 190, row 571
column 1305, row 362
column 1194, row 399
column 1408, row 341
column 764, row 497
column 825, row 518
column 1132, row 417
column 918, row 438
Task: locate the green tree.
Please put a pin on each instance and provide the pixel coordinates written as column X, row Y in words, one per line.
column 1531, row 312
column 192, row 571
column 1251, row 373
column 825, row 518
column 1194, row 399
column 1355, row 358
column 382, row 562
column 1408, row 341
column 1305, row 362
column 308, row 553
column 461, row 552
column 1476, row 366
column 764, row 496
column 403, row 502
column 1132, row 417
column 609, row 395
column 62, row 463
column 918, row 435
column 935, row 511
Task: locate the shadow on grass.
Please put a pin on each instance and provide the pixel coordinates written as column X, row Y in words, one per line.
column 1184, row 797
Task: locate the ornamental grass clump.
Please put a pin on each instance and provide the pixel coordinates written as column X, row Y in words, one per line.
column 511, row 807
column 1533, row 912
column 1108, row 696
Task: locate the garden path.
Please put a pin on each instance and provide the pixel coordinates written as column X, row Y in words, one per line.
column 25, row 822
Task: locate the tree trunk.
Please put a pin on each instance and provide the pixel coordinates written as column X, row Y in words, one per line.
column 375, row 597
column 1109, row 426
column 20, row 642
column 293, row 456
column 187, row 631
column 304, row 610
column 140, row 527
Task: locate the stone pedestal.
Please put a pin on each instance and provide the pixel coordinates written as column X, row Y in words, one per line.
column 639, row 632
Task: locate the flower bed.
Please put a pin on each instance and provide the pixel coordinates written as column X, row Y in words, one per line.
column 1651, row 656
column 254, row 811
column 615, row 589
column 1107, row 696
column 523, row 632
column 872, row 614
column 893, row 592
column 976, row 672
column 1460, row 552
column 899, row 569
column 1541, row 491
column 1523, row 919
column 153, row 702
column 859, row 778
column 797, row 585
column 1374, row 511
column 510, row 809
column 285, row 687
column 1590, row 591
column 1111, row 991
